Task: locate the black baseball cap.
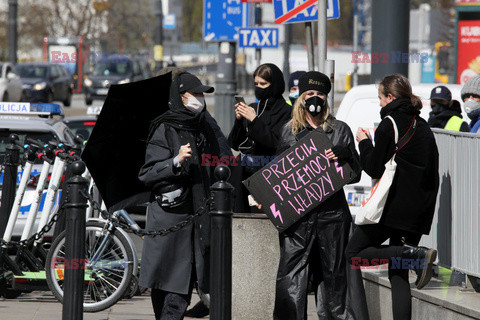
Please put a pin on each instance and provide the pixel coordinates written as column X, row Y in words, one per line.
column 190, row 83
column 441, row 92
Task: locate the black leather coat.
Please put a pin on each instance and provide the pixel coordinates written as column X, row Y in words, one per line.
column 315, row 246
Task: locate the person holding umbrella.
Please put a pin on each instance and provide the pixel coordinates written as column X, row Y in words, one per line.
column 180, row 186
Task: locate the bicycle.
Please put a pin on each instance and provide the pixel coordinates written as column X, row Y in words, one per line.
column 110, row 262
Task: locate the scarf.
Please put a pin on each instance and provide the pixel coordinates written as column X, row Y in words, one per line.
column 191, row 128
column 402, row 104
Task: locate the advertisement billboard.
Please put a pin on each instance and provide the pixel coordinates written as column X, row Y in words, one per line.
column 468, row 52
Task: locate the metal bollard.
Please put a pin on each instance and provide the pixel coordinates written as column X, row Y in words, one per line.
column 75, row 244
column 9, row 188
column 60, row 224
column 221, row 246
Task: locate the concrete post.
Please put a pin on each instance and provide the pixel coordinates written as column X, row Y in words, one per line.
column 226, row 87
column 12, row 31
column 390, row 35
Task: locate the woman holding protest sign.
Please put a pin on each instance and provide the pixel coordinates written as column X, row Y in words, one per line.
column 410, row 204
column 256, row 130
column 315, row 244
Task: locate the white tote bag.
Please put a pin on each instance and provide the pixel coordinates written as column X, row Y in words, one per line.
column 372, row 206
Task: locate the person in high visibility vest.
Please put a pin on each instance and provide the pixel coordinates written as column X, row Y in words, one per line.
column 446, row 113
column 293, row 86
column 471, row 98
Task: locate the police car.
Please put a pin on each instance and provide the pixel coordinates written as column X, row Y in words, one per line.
column 41, row 122
column 361, row 108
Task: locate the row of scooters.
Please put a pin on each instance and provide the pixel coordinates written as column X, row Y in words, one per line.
column 22, row 263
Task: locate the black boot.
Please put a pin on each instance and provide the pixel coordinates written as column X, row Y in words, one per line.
column 422, row 259
column 199, row 310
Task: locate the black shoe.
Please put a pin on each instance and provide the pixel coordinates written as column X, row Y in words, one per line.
column 199, row 310
column 423, row 259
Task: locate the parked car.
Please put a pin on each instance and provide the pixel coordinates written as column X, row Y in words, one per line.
column 360, row 108
column 46, row 82
column 114, row 69
column 11, row 87
column 83, row 125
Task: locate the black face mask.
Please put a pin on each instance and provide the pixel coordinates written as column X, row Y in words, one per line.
column 263, row 93
column 314, row 105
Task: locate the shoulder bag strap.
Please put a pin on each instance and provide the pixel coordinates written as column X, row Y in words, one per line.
column 394, row 128
column 408, row 135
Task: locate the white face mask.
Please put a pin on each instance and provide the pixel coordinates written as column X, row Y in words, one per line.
column 195, row 104
column 471, row 105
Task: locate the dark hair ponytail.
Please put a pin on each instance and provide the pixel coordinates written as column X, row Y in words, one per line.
column 398, row 86
column 416, row 101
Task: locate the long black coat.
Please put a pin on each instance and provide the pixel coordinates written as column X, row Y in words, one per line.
column 411, row 200
column 167, row 260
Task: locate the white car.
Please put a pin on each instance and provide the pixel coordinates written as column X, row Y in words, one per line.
column 11, row 87
column 361, row 108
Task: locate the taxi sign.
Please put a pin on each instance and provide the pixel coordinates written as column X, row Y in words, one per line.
column 258, row 38
column 26, row 108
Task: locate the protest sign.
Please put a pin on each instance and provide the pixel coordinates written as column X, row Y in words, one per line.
column 301, row 178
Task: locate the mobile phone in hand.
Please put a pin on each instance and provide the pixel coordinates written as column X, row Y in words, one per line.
column 239, row 99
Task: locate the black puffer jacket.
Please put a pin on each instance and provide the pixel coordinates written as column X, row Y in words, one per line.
column 411, row 200
column 260, row 137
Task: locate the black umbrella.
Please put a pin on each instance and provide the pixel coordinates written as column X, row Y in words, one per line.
column 115, row 151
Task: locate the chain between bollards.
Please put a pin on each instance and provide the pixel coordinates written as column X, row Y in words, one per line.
column 75, row 244
column 221, row 246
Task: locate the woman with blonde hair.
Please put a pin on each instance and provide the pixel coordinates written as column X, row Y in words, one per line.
column 315, row 245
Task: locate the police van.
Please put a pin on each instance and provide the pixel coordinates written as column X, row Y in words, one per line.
column 41, row 122
column 361, row 108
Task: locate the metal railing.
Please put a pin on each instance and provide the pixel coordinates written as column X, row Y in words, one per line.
column 455, row 229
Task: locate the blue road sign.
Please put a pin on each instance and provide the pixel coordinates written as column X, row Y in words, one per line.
column 285, row 11
column 169, row 21
column 223, row 18
column 258, row 37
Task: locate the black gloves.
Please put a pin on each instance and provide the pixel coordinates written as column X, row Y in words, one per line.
column 342, row 153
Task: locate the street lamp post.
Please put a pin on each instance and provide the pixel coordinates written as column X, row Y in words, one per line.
column 12, row 31
column 158, row 35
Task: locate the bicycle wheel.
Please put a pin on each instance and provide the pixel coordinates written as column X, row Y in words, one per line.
column 107, row 280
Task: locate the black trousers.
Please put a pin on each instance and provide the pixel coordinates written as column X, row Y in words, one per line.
column 366, row 243
column 169, row 305
column 313, row 247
